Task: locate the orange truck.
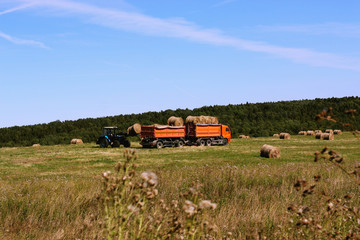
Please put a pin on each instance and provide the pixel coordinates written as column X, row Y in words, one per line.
column 190, row 134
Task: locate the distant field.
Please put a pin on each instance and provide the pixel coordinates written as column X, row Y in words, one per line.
column 48, row 192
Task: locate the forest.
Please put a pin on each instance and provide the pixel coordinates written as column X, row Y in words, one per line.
column 253, row 119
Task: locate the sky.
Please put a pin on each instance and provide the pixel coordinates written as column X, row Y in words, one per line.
column 72, row 59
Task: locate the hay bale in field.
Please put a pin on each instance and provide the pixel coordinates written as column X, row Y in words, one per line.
column 134, row 130
column 310, row 132
column 329, row 131
column 302, row 133
column 319, row 135
column 36, row 145
column 337, row 132
column 276, row 135
column 175, row 121
column 318, row 131
column 269, row 151
column 328, row 136
column 244, row 136
column 76, row 141
column 285, row 136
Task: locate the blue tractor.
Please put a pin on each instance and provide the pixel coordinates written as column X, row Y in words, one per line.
column 112, row 137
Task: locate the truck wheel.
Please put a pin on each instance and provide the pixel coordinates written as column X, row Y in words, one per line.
column 126, row 143
column 159, row 144
column 180, row 144
column 208, row 142
column 115, row 144
column 103, row 143
column 200, row 142
column 225, row 142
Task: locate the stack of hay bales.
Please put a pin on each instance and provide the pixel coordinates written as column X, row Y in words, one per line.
column 302, row 133
column 244, row 136
column 134, row 130
column 269, row 151
column 319, row 135
column 329, row 131
column 202, row 120
column 310, row 132
column 175, row 121
column 285, row 136
column 36, row 145
column 276, row 135
column 328, row 136
column 76, row 141
column 337, row 132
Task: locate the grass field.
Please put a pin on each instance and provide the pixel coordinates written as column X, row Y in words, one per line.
column 50, row 192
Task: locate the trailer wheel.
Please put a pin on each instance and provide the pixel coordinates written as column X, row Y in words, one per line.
column 200, row 142
column 103, row 143
column 180, row 144
column 208, row 142
column 225, row 142
column 159, row 144
column 116, row 144
column 126, row 143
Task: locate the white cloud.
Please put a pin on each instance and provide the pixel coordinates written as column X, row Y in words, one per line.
column 22, row 41
column 16, row 8
column 143, row 24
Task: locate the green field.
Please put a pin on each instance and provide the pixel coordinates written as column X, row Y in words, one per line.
column 49, row 192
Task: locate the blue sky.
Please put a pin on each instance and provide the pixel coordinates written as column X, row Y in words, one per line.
column 65, row 60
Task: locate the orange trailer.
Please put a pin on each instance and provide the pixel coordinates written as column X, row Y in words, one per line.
column 162, row 136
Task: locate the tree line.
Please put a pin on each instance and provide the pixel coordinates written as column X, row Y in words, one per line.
column 254, row 119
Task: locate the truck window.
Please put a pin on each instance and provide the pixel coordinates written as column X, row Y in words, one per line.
column 227, row 129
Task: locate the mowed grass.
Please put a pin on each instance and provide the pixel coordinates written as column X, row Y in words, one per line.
column 50, row 192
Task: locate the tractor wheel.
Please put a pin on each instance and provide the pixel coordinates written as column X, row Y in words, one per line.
column 159, row 144
column 104, row 143
column 126, row 143
column 225, row 142
column 208, row 142
column 116, row 144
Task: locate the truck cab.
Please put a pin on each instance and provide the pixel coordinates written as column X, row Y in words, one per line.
column 226, row 133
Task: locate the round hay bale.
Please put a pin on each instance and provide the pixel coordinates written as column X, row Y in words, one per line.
column 76, row 141
column 328, row 136
column 337, row 132
column 175, row 121
column 310, row 132
column 242, row 136
column 208, row 119
column 318, row 131
column 134, row 130
column 276, row 135
column 214, row 120
column 302, row 133
column 36, row 145
column 192, row 119
column 285, row 136
column 269, row 151
column 319, row 135
column 329, row 131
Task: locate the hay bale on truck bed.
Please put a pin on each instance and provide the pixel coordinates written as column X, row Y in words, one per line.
column 269, row 151
column 319, row 135
column 192, row 119
column 202, row 120
column 134, row 130
column 337, row 132
column 175, row 121
column 285, row 136
column 328, row 136
column 76, row 141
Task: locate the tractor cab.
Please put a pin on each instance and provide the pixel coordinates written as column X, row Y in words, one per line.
column 111, row 136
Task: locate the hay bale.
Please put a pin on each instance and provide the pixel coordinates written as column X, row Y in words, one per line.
column 244, row 136
column 76, row 141
column 214, row 120
column 202, row 120
column 337, row 132
column 328, row 136
column 319, row 135
column 276, row 135
column 192, row 119
column 269, row 151
column 36, row 145
column 285, row 136
column 175, row 121
column 318, row 131
column 329, row 131
column 134, row 130
column 310, row 132
column 302, row 133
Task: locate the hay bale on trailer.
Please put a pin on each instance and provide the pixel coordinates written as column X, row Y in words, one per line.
column 76, row 141
column 310, row 132
column 134, row 130
column 269, row 151
column 175, row 121
column 302, row 133
column 214, row 120
column 192, row 119
column 276, row 135
column 202, row 120
column 319, row 135
column 328, row 136
column 337, row 132
column 285, row 136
